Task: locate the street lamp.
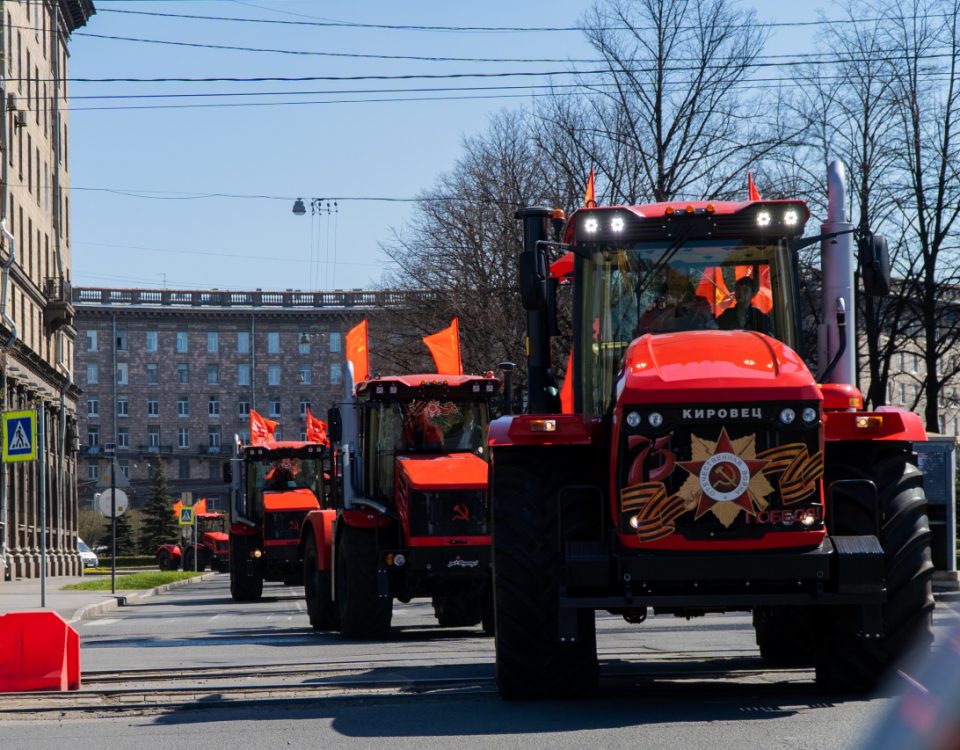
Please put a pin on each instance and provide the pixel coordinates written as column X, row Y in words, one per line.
column 298, row 208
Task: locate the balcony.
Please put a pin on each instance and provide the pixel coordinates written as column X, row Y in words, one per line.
column 59, row 311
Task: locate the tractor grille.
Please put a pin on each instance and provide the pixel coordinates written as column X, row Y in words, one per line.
column 283, row 525
column 448, row 513
column 720, row 472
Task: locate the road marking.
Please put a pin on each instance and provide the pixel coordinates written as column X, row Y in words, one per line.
column 97, row 623
column 213, row 618
column 299, row 606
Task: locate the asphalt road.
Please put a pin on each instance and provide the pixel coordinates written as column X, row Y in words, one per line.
column 667, row 682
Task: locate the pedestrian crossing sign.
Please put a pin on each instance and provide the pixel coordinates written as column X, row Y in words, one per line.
column 186, row 516
column 19, row 436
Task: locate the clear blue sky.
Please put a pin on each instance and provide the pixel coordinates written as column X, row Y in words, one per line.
column 136, row 171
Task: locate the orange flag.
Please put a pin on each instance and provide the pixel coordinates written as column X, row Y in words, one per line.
column 566, row 390
column 261, row 429
column 752, row 191
column 316, row 430
column 590, row 197
column 176, row 508
column 713, row 288
column 200, row 508
column 445, row 347
column 357, row 352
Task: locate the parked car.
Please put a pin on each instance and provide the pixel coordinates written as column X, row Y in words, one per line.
column 86, row 554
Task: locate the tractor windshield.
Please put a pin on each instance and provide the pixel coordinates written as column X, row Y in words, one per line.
column 279, row 474
column 630, row 291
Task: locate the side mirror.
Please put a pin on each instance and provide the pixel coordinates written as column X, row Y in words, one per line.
column 334, row 425
column 227, row 472
column 533, row 280
column 874, row 264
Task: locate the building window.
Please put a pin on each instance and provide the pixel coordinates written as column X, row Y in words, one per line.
column 183, row 407
column 303, row 436
column 93, row 437
column 153, row 375
column 213, row 374
column 183, row 467
column 274, row 408
column 336, row 373
column 93, row 376
column 213, row 342
column 304, row 405
column 183, row 437
column 153, row 407
column 123, row 438
column 93, row 470
column 243, row 374
column 903, row 393
column 914, row 362
column 124, row 465
column 213, row 407
column 303, row 342
column 213, row 435
column 93, row 407
column 243, row 342
column 123, row 406
column 182, row 342
column 91, row 341
column 151, row 341
column 153, row 438
column 334, row 343
column 122, row 373
column 121, row 341
column 244, row 408
column 245, row 437
column 213, row 469
column 273, row 375
column 183, row 373
column 305, row 374
column 273, row 342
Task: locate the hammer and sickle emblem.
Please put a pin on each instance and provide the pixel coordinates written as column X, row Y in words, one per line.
column 461, row 512
column 294, row 525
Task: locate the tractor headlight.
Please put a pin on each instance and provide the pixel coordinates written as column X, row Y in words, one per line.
column 763, row 219
column 633, row 419
column 617, row 223
column 591, row 225
column 809, row 415
column 655, row 419
column 787, row 415
column 791, row 217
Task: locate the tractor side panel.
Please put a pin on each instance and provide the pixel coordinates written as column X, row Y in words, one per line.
column 318, row 530
column 887, row 423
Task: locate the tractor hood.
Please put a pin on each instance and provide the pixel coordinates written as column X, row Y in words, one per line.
column 702, row 366
column 300, row 499
column 454, row 471
column 216, row 536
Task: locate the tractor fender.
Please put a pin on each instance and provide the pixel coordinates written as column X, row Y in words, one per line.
column 363, row 519
column 318, row 530
column 887, row 423
column 540, row 429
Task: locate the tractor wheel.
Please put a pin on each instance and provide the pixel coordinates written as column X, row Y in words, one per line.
column 784, row 635
column 531, row 661
column 243, row 587
column 316, row 591
column 459, row 610
column 487, row 620
column 364, row 614
column 164, row 562
column 188, row 559
column 845, row 660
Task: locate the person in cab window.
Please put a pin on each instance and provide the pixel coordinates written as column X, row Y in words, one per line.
column 744, row 316
column 679, row 307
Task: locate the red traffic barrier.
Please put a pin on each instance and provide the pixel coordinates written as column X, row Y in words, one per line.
column 38, row 651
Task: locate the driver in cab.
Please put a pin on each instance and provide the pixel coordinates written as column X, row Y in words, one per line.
column 744, row 316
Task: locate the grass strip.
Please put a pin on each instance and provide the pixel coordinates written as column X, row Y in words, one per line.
column 147, row 580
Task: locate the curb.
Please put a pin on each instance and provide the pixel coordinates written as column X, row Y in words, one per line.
column 115, row 601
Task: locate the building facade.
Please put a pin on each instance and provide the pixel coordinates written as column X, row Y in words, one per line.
column 174, row 374
column 36, row 316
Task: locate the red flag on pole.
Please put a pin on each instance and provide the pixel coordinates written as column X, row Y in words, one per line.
column 261, row 428
column 566, row 390
column 316, row 430
column 590, row 197
column 713, row 288
column 752, row 191
column 357, row 353
column 200, row 508
column 445, row 347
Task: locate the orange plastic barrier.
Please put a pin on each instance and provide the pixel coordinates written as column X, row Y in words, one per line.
column 38, row 651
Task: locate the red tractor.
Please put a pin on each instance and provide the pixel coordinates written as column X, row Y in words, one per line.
column 700, row 465
column 411, row 516
column 212, row 548
column 274, row 486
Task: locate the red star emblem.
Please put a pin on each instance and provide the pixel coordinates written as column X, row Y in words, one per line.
column 724, row 477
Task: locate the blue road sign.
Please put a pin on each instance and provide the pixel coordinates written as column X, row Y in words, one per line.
column 19, row 436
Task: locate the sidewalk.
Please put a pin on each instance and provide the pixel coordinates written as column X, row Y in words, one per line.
column 24, row 594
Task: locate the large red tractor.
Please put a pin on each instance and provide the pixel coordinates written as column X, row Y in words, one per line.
column 274, row 486
column 411, row 516
column 212, row 548
column 702, row 467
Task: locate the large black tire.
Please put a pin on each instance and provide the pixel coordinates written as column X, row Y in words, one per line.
column 846, row 661
column 188, row 560
column 244, row 587
column 363, row 613
column 316, row 591
column 531, row 661
column 165, row 561
column 784, row 635
column 458, row 610
column 488, row 620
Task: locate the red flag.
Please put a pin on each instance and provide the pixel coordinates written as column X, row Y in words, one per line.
column 445, row 347
column 176, row 508
column 316, row 430
column 562, row 266
column 713, row 288
column 566, row 390
column 752, row 191
column 200, row 508
column 357, row 353
column 261, row 429
column 590, row 197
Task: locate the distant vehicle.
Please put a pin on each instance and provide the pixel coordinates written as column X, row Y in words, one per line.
column 87, row 555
